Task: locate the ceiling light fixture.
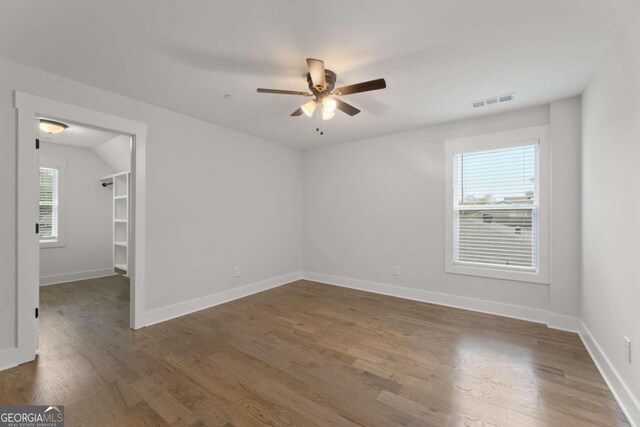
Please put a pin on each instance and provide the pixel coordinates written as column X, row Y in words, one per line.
column 326, row 115
column 329, row 105
column 51, row 127
column 309, row 107
column 321, row 83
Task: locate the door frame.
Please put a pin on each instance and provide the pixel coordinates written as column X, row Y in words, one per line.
column 29, row 107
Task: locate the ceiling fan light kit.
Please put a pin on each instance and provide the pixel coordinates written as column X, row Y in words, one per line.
column 326, row 115
column 309, row 107
column 322, row 82
column 329, row 105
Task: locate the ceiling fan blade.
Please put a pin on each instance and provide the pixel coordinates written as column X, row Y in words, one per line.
column 347, row 108
column 316, row 70
column 283, row 92
column 298, row 112
column 361, row 87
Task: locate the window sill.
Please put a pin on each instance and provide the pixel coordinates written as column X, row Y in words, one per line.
column 46, row 245
column 496, row 273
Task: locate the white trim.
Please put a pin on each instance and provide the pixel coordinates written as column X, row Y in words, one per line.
column 29, row 107
column 512, row 138
column 483, row 306
column 55, row 279
column 180, row 309
column 563, row 323
column 8, row 358
column 629, row 403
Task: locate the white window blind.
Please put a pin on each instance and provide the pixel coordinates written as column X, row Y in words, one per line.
column 496, row 205
column 49, row 204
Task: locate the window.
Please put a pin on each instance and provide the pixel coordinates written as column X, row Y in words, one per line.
column 50, row 209
column 497, row 205
column 49, row 193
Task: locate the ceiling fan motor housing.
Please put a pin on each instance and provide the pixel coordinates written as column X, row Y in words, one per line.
column 330, row 83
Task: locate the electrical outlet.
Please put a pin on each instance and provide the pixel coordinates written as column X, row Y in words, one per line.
column 627, row 348
column 396, row 270
column 236, row 271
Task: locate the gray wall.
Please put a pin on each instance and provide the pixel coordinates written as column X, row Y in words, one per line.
column 216, row 198
column 373, row 204
column 611, row 207
column 88, row 216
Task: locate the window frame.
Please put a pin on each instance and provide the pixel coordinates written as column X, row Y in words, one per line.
column 60, row 164
column 493, row 141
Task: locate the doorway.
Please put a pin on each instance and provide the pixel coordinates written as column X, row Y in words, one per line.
column 30, row 110
column 84, row 201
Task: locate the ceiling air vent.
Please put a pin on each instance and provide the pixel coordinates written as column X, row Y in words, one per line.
column 492, row 100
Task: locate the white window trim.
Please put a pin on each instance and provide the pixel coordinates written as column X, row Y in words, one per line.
column 61, row 165
column 495, row 141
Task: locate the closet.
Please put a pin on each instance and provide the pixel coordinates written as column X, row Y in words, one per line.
column 119, row 184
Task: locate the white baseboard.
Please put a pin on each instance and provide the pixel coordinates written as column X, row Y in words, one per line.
column 624, row 396
column 466, row 303
column 622, row 393
column 563, row 323
column 176, row 310
column 552, row 320
column 55, row 279
column 8, row 358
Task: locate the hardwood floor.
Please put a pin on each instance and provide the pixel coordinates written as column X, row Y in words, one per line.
column 304, row 354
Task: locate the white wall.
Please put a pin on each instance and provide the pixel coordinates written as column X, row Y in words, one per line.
column 566, row 140
column 215, row 198
column 372, row 204
column 88, row 240
column 116, row 153
column 611, row 208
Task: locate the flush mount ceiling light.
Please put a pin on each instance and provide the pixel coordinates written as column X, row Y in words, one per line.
column 51, row 127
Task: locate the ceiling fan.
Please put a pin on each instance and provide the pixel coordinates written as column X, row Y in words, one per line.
column 322, row 85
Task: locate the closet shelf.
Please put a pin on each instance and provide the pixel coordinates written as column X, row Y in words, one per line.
column 109, row 178
column 121, row 182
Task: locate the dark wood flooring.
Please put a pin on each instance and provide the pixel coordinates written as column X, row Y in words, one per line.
column 304, row 354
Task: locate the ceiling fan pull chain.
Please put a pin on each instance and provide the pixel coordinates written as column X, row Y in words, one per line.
column 317, row 122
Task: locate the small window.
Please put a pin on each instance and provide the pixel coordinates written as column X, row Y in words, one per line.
column 50, row 209
column 497, row 221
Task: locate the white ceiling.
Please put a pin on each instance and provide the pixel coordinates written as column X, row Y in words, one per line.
column 436, row 55
column 79, row 136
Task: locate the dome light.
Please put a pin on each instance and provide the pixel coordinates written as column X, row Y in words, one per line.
column 51, row 127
